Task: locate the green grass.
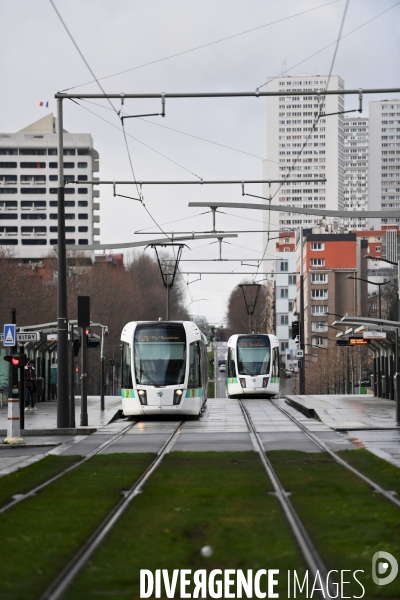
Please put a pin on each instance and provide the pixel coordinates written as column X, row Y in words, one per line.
column 377, row 469
column 23, row 480
column 347, row 521
column 193, row 500
column 211, row 389
column 211, row 356
column 42, row 533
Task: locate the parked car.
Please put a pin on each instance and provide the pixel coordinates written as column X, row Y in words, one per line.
column 222, row 367
column 288, row 374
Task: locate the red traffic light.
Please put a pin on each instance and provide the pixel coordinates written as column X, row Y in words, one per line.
column 17, row 360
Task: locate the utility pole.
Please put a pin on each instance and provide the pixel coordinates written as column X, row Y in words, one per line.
column 302, row 383
column 63, row 408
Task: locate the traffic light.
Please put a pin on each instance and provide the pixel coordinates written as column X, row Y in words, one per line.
column 17, row 360
column 295, row 329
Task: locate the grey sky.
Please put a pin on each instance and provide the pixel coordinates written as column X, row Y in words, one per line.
column 38, row 59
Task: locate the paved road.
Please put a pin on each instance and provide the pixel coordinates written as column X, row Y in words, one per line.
column 220, row 354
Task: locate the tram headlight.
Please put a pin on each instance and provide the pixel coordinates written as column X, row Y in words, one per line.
column 265, row 381
column 142, row 396
column 242, row 382
column 178, row 396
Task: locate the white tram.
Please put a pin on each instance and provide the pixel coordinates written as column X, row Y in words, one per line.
column 252, row 366
column 164, row 368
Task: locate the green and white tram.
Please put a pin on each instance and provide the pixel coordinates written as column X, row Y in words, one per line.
column 164, row 368
column 252, row 366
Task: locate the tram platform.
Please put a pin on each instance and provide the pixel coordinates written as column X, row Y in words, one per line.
column 43, row 422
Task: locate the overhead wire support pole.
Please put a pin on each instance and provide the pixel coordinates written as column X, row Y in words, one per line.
column 63, row 408
column 255, row 94
column 197, row 182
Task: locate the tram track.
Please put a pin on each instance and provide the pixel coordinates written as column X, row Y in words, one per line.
column 310, row 554
column 21, row 497
column 389, row 495
column 59, row 586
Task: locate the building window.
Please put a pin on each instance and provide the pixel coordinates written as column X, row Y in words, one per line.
column 319, row 294
column 30, row 152
column 284, row 293
column 83, row 242
column 319, row 278
column 319, row 326
column 8, row 165
column 82, row 190
column 83, row 229
column 319, row 309
column 317, row 262
column 33, row 216
column 284, row 266
column 284, row 319
column 82, row 203
column 292, row 279
column 317, row 246
column 82, row 177
column 32, row 190
column 82, row 165
column 319, row 341
column 284, row 346
column 69, row 152
column 33, row 165
column 377, row 248
column 34, row 242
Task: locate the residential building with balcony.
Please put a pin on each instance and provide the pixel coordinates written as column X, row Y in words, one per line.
column 28, row 190
column 356, row 149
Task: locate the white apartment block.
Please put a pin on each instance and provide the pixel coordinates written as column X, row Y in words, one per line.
column 28, row 189
column 384, row 159
column 290, row 121
column 356, row 148
column 285, row 295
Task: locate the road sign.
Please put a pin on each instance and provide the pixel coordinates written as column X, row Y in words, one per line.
column 374, row 335
column 32, row 336
column 299, row 353
column 9, row 334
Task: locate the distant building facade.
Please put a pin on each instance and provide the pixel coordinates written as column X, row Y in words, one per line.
column 28, row 189
column 356, row 150
column 384, row 160
column 328, row 259
column 285, row 296
column 290, row 121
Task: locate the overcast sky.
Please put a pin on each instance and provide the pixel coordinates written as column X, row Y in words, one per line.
column 38, row 59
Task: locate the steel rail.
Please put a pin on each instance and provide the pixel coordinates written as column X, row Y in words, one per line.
column 254, row 94
column 20, row 497
column 377, row 488
column 56, row 590
column 307, row 548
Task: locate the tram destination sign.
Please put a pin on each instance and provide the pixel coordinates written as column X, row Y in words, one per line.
column 24, row 337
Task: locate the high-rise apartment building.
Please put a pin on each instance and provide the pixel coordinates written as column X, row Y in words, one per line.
column 384, row 159
column 285, row 296
column 28, row 189
column 356, row 148
column 290, row 122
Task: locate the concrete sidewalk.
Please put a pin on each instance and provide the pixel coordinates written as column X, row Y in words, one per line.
column 44, row 421
column 368, row 422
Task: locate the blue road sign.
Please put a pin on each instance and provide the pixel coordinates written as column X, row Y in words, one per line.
column 10, row 332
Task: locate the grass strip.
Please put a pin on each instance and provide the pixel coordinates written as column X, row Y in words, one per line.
column 347, row 521
column 377, row 469
column 40, row 535
column 217, row 499
column 25, row 479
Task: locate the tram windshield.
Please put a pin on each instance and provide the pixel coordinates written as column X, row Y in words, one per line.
column 253, row 355
column 160, row 355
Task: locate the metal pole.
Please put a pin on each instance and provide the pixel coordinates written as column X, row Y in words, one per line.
column 84, row 378
column 72, row 377
column 167, row 318
column 379, row 302
column 302, row 382
column 63, row 409
column 13, row 373
column 113, row 373
column 397, row 378
column 250, row 323
column 102, row 359
column 348, row 372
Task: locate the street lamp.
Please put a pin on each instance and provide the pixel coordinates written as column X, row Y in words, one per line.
column 372, row 283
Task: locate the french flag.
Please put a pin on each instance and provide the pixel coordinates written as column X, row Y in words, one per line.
column 46, row 104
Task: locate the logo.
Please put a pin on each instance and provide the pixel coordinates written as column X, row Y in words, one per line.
column 381, row 568
column 159, row 394
column 254, row 380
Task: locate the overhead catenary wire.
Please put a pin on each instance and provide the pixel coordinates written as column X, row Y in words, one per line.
column 230, row 37
column 329, row 45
